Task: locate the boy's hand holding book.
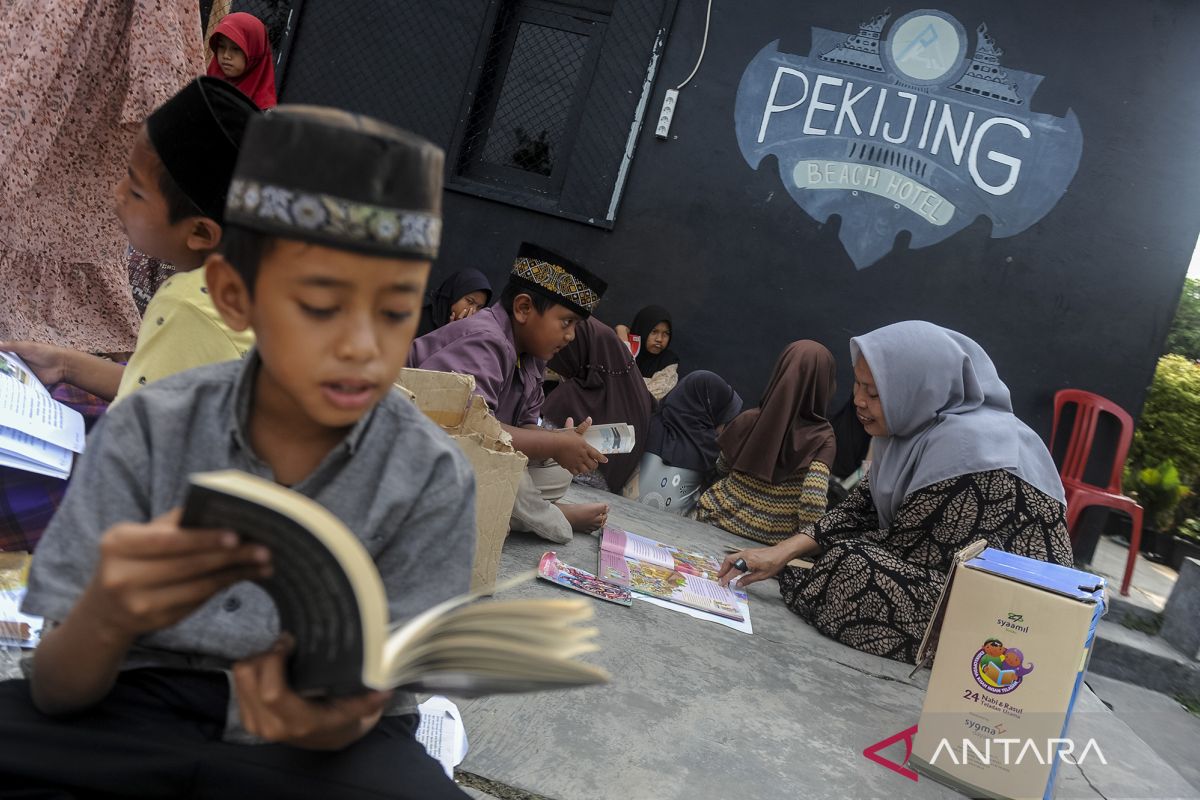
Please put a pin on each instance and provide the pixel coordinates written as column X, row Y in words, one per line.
column 50, row 363
column 574, row 453
column 152, row 575
column 270, row 709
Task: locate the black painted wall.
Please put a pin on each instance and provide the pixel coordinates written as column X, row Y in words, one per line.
column 1083, row 298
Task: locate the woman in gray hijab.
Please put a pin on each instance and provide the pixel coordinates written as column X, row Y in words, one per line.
column 951, row 465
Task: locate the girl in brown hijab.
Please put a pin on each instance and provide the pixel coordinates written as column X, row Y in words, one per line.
column 775, row 459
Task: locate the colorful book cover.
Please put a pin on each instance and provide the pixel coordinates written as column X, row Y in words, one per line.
column 16, row 629
column 555, row 571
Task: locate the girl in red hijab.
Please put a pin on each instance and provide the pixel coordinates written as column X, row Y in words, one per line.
column 242, row 56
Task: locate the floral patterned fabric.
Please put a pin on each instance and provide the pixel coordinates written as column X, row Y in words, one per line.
column 79, row 79
column 875, row 589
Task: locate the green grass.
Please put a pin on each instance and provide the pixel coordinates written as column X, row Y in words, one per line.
column 1148, row 626
column 1190, row 701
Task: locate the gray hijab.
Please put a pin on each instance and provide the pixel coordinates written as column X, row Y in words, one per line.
column 948, row 414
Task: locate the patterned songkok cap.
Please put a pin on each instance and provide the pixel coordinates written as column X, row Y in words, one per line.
column 341, row 180
column 547, row 273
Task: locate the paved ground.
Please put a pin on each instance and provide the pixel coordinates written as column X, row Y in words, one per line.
column 699, row 711
column 1152, row 582
column 1160, row 721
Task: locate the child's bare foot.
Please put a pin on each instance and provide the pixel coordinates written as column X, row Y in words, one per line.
column 584, row 517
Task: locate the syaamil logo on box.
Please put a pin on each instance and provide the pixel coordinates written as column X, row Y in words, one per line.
column 999, row 669
column 904, row 127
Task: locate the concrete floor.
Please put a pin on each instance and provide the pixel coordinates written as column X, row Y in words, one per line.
column 1160, row 721
column 1152, row 582
column 696, row 710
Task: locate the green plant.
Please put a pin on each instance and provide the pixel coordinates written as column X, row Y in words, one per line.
column 1158, row 490
column 1169, row 428
column 1184, row 337
column 1189, row 529
column 1149, row 626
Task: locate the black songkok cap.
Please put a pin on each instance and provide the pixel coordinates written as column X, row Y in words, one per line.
column 547, row 273
column 340, row 180
column 197, row 134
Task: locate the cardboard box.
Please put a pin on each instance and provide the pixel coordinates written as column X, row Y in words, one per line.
column 448, row 399
column 1013, row 636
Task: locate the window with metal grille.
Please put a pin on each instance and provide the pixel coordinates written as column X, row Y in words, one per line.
column 560, row 89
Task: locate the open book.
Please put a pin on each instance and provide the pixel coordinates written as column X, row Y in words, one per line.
column 331, row 598
column 666, row 572
column 37, row 433
column 16, row 629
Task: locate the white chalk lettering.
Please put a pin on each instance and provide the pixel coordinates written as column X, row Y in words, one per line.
column 912, row 105
column 771, row 107
column 846, row 109
column 928, row 120
column 946, row 128
column 1013, row 164
column 815, row 104
column 878, row 113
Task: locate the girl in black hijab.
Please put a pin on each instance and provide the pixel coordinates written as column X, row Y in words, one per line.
column 459, row 296
column 681, row 449
column 656, row 361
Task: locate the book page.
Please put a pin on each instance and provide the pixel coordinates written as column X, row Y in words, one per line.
column 22, row 451
column 27, row 406
column 743, row 625
column 613, row 568
column 679, row 587
column 441, row 732
column 631, row 545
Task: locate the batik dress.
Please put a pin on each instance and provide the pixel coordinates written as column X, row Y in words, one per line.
column 875, row 588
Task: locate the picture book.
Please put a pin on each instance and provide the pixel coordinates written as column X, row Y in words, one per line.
column 331, row 598
column 552, row 569
column 668, row 573
column 16, row 629
column 630, row 545
column 37, row 433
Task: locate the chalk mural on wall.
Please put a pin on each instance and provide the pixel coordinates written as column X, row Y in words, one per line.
column 906, row 129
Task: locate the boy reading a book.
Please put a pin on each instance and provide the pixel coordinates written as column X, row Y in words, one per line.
column 171, row 205
column 506, row 347
column 165, row 671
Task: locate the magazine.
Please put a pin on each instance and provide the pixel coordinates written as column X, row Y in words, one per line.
column 37, row 433
column 668, row 573
column 16, row 629
column 555, row 571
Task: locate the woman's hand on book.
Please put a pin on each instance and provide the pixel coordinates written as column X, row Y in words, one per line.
column 272, row 711
column 152, row 575
column 765, row 562
column 574, row 453
column 762, row 563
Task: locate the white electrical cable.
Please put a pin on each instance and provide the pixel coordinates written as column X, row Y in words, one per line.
column 703, row 44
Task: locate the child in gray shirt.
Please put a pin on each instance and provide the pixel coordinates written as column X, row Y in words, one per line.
column 165, row 671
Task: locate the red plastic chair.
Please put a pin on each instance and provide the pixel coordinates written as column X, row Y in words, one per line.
column 1080, row 494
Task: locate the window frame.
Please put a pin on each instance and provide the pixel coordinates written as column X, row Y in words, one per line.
column 472, row 164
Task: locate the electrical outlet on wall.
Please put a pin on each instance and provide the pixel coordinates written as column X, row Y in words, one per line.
column 668, row 111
